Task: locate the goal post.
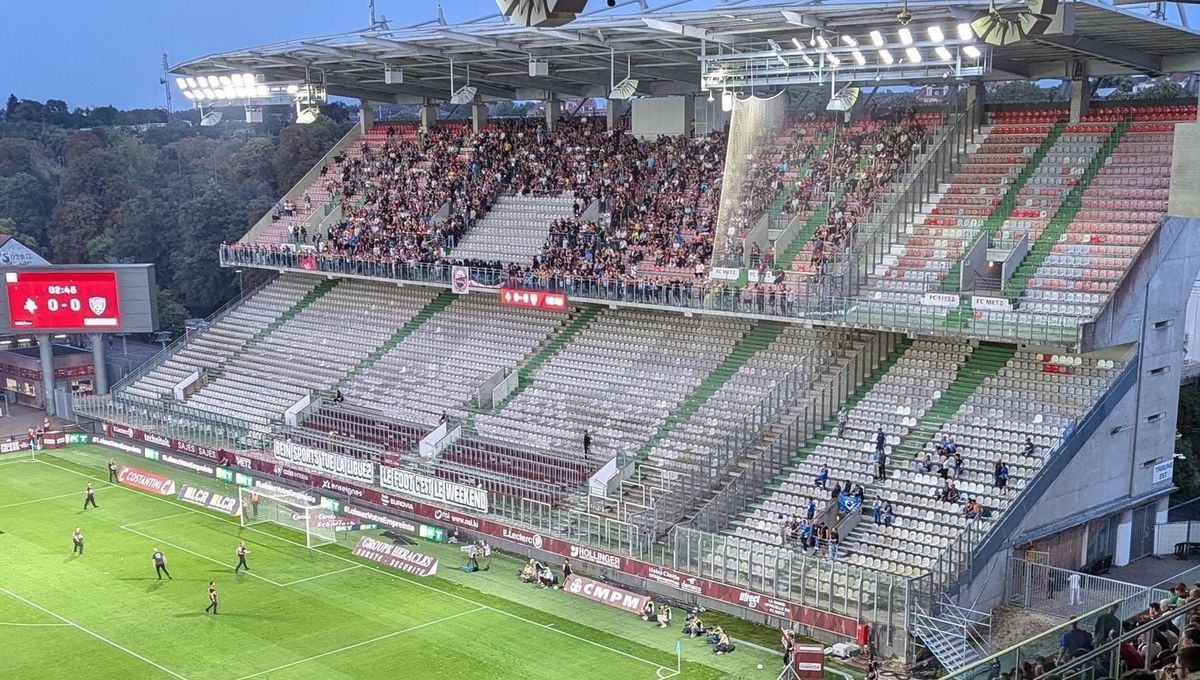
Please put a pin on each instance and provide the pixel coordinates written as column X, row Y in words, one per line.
column 291, row 510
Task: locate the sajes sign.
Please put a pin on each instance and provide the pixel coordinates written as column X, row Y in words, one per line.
column 396, row 556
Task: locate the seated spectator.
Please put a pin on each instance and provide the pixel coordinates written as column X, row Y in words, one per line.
column 648, row 610
column 338, row 397
column 692, row 625
column 822, row 476
column 723, row 645
column 663, row 618
column 925, row 465
column 529, row 572
column 972, row 510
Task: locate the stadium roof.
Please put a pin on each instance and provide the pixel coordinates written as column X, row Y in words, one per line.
column 664, row 45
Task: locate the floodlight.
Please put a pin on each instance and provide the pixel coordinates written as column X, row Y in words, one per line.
column 849, row 40
column 198, row 95
column 203, row 80
column 189, row 94
column 807, row 59
column 822, row 42
column 263, row 90
column 834, row 60
column 877, row 39
column 887, row 57
column 622, row 90
column 914, row 55
column 248, row 78
column 181, row 83
column 858, row 57
column 225, row 81
column 935, row 34
column 208, row 93
column 905, row 36
column 307, row 116
column 237, row 79
column 293, row 88
column 965, row 32
column 972, row 51
column 191, row 83
column 798, row 44
column 943, row 53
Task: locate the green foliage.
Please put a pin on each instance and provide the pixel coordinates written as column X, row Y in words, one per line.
column 1019, row 92
column 1187, row 444
column 1163, row 89
column 167, row 195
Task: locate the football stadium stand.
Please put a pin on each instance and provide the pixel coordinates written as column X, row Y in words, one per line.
column 919, row 341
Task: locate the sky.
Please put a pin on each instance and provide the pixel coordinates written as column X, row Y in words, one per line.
column 100, row 52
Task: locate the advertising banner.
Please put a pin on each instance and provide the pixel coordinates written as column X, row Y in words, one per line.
column 396, row 557
column 940, row 300
column 323, row 461
column 808, row 661
column 603, row 592
column 146, row 481
column 432, row 488
column 229, row 505
column 460, row 279
column 991, row 304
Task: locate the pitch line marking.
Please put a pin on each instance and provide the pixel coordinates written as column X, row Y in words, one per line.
column 362, row 644
column 200, row 555
column 35, row 625
column 154, row 519
column 92, row 633
column 40, row 500
column 397, row 576
column 328, row 573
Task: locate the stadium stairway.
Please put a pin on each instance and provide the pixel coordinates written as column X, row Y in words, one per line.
column 439, row 303
column 755, row 340
column 525, row 373
column 827, row 428
column 985, row 361
column 310, row 297
column 996, row 219
column 1058, row 225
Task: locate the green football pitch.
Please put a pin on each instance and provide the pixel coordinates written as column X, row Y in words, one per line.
column 300, row 613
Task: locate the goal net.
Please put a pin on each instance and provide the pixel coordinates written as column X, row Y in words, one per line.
column 294, row 511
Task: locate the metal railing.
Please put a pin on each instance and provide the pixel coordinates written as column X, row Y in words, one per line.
column 175, row 420
column 708, row 297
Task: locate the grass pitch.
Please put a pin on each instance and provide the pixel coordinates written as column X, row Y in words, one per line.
column 299, row 613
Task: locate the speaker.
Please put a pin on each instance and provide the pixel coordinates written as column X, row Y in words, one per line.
column 538, row 67
column 393, row 76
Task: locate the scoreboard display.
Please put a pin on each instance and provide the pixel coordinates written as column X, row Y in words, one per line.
column 82, row 298
column 63, row 300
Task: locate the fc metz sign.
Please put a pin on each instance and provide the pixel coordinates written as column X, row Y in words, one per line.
column 602, row 592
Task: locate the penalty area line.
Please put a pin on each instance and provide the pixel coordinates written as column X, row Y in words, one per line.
column 364, row 643
column 396, row 575
column 68, row 622
column 40, row 500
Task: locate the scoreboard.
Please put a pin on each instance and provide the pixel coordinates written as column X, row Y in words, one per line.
column 76, row 300
column 115, row 298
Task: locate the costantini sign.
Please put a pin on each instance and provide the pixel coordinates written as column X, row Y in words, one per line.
column 146, row 481
column 602, row 592
column 432, row 488
column 396, row 557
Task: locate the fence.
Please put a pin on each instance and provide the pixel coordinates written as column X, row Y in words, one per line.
column 711, row 297
column 1046, row 589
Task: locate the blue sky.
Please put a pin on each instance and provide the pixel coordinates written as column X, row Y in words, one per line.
column 93, row 53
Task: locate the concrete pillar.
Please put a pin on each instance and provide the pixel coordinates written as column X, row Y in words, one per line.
column 1124, row 538
column 479, row 115
column 98, row 357
column 366, row 116
column 428, row 115
column 553, row 111
column 1081, row 94
column 975, row 103
column 615, row 111
column 47, row 357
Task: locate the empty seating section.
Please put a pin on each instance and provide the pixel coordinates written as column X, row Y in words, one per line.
column 955, row 216
column 1035, row 395
column 514, row 230
column 224, row 338
column 620, row 378
column 691, row 444
column 895, row 403
column 439, row 367
column 310, row 352
column 1120, row 210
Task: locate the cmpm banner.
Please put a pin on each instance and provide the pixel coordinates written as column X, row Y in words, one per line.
column 324, row 461
column 207, row 499
column 602, row 592
column 396, row 557
column 432, row 488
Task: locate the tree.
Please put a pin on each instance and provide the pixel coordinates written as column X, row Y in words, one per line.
column 204, row 222
column 172, row 316
column 28, row 201
column 9, row 228
column 11, row 108
column 1187, row 443
column 300, row 147
column 1019, row 92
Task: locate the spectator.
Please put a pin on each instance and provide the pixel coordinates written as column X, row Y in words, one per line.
column 822, row 477
column 1107, row 625
column 842, row 417
column 1000, row 474
column 1074, row 642
column 972, row 510
column 587, row 445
